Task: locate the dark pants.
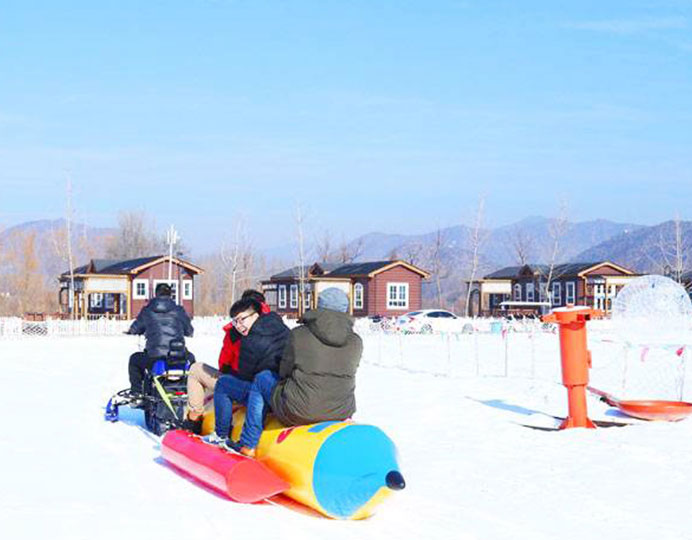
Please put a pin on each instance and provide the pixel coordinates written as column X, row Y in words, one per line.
column 228, row 389
column 139, row 363
column 259, row 398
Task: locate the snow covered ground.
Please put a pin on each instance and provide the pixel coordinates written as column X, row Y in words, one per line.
column 454, row 410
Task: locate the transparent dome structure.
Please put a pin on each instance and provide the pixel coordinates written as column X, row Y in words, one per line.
column 653, row 310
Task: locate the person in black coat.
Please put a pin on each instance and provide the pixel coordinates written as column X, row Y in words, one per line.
column 161, row 321
column 264, row 339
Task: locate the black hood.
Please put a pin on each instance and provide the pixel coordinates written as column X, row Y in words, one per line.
column 330, row 327
column 162, row 304
column 268, row 325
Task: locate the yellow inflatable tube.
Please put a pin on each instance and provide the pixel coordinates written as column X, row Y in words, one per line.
column 341, row 469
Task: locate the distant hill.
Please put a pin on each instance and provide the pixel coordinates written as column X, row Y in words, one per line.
column 497, row 247
column 648, row 249
column 49, row 237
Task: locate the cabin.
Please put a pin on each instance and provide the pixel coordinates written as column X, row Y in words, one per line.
column 121, row 288
column 521, row 290
column 378, row 288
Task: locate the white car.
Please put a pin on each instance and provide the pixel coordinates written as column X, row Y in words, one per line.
column 427, row 321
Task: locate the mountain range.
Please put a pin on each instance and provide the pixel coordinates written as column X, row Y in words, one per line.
column 638, row 247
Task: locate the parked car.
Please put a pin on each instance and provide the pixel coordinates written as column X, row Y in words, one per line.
column 426, row 321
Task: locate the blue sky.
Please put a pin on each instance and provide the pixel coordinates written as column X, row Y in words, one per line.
column 390, row 116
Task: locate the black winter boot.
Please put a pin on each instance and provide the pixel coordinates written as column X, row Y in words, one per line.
column 193, row 426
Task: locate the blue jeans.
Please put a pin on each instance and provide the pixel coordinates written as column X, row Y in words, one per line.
column 258, row 400
column 228, row 389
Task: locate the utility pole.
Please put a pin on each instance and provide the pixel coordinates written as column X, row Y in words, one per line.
column 172, row 239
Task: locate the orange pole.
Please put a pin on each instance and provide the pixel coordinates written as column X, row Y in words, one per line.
column 576, row 360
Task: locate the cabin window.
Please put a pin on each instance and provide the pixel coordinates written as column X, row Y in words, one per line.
column 517, row 292
column 282, row 296
column 187, row 289
column 358, row 296
column 557, row 293
column 294, row 296
column 140, row 289
column 529, row 292
column 397, row 295
column 569, row 292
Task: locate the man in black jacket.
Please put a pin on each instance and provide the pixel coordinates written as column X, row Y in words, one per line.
column 161, row 321
column 263, row 342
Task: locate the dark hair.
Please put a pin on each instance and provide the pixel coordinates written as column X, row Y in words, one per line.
column 163, row 289
column 244, row 304
column 252, row 293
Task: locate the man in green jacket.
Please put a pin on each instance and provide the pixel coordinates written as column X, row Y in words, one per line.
column 317, row 372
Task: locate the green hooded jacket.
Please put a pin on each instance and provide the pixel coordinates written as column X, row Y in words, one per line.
column 318, row 370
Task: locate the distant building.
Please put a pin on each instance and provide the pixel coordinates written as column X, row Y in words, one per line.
column 522, row 289
column 121, row 288
column 385, row 288
column 686, row 280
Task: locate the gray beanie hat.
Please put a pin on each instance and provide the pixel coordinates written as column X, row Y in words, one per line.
column 334, row 299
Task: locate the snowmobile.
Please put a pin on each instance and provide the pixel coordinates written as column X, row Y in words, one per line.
column 164, row 392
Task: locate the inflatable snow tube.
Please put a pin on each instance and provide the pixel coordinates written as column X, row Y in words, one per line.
column 242, row 479
column 343, row 470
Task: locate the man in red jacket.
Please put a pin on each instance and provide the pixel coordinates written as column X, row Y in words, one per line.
column 202, row 377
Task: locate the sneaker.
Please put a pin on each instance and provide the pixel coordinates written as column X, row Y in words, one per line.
column 214, row 439
column 236, row 448
column 231, row 446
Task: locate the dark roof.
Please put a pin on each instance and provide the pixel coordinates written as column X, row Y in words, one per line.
column 358, row 269
column 336, row 269
column 572, row 269
column 291, row 273
column 112, row 266
column 122, row 267
column 326, row 267
column 568, row 269
column 507, row 272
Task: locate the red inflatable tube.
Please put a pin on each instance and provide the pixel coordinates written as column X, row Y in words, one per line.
column 242, row 479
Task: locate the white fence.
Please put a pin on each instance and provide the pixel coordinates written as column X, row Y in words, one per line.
column 14, row 327
column 529, row 349
column 483, row 348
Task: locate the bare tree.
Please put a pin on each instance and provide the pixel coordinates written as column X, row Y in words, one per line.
column 675, row 250
column 437, row 266
column 522, row 244
column 302, row 270
column 27, row 287
column 237, row 257
column 136, row 237
column 323, row 247
column 413, row 253
column 70, row 259
column 62, row 242
column 477, row 238
column 348, row 252
column 556, row 231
